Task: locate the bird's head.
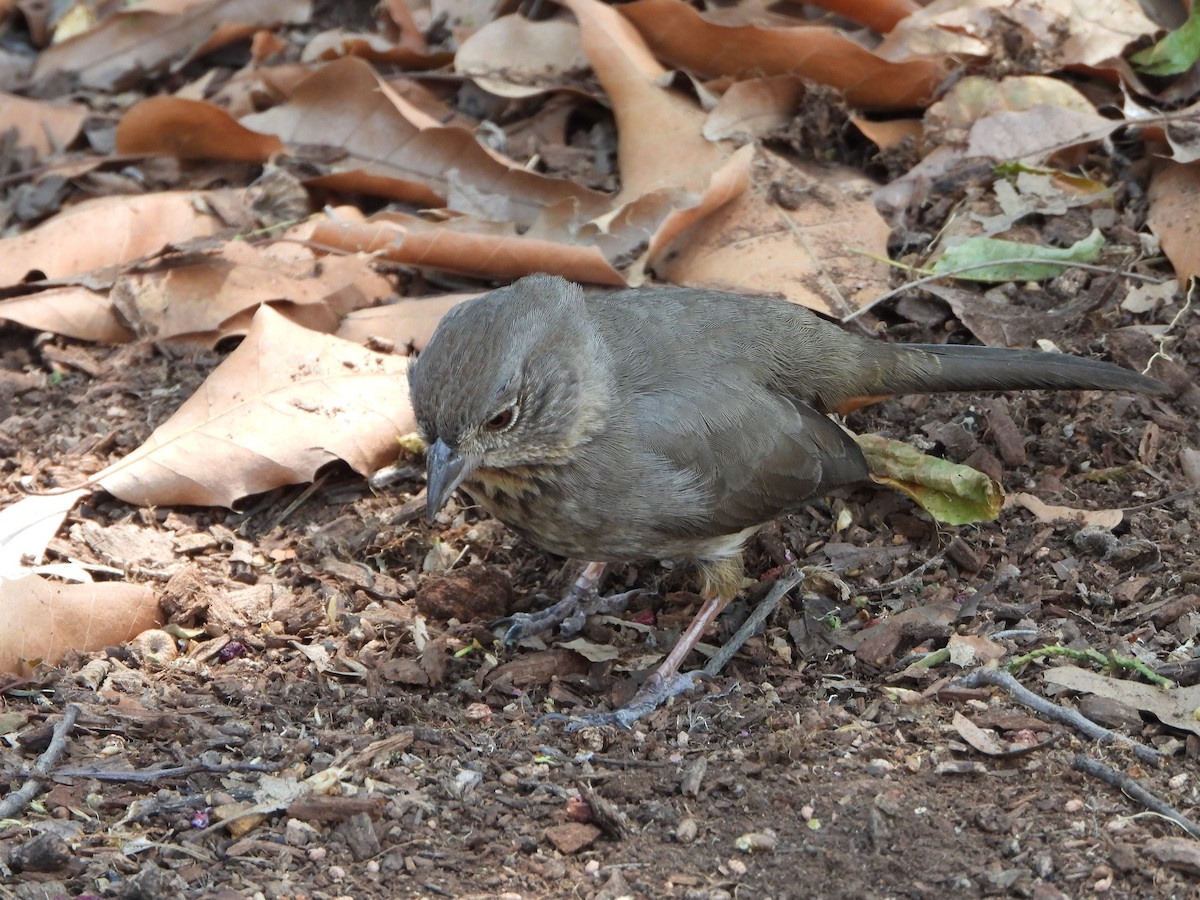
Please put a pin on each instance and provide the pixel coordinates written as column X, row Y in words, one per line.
column 516, row 377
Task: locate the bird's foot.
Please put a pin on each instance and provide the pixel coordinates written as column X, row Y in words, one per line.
column 569, row 614
column 654, row 693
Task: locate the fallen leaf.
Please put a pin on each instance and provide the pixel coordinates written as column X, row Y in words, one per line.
column 46, row 127
column 1174, row 216
column 74, row 311
column 107, row 231
column 513, row 56
column 1100, row 518
column 254, row 426
column 977, row 738
column 389, row 147
column 1175, row 707
column 967, row 259
column 43, row 620
column 951, row 493
column 28, row 526
column 127, row 44
column 679, row 34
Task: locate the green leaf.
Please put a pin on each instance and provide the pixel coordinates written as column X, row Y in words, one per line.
column 974, row 252
column 1174, row 54
column 951, row 493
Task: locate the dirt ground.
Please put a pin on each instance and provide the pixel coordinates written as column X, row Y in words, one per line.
column 341, row 722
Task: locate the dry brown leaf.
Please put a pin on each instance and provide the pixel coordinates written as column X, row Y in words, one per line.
column 42, row 620
column 190, row 129
column 284, row 403
column 801, row 231
column 891, row 132
column 108, row 231
column 755, row 107
column 127, row 44
column 73, row 310
column 407, row 323
column 1175, row 216
column 1064, row 32
column 28, row 526
column 372, row 47
column 516, row 57
column 396, row 150
column 46, row 127
column 680, row 35
column 654, row 124
column 202, row 298
column 881, row 15
column 976, row 737
column 1174, row 706
column 977, row 96
column 1100, row 518
column 489, row 250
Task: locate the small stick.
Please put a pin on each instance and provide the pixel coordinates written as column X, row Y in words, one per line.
column 16, row 801
column 1134, row 791
column 754, row 622
column 1062, row 715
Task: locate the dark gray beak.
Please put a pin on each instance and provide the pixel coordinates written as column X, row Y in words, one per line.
column 446, row 469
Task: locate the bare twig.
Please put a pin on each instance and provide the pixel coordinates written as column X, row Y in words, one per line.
column 1043, row 707
column 150, row 775
column 16, row 801
column 1134, row 791
column 754, row 622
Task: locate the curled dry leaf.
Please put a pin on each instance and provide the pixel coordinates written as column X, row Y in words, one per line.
column 807, row 232
column 679, row 34
column 407, row 323
column 284, row 403
column 373, row 47
column 513, row 56
column 28, row 526
column 213, row 295
column 190, row 129
column 42, row 620
column 755, row 107
column 392, row 148
column 1100, row 518
column 129, row 43
column 1175, row 216
column 471, row 247
column 46, row 127
column 72, row 310
column 649, row 119
column 108, row 231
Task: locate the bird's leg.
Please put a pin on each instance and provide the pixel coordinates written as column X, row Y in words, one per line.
column 722, row 581
column 569, row 613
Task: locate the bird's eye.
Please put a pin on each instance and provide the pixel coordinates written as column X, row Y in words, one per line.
column 501, row 420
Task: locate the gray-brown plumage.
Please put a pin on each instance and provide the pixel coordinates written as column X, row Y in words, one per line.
column 671, row 422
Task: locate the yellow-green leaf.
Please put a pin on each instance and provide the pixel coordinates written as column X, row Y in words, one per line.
column 950, row 492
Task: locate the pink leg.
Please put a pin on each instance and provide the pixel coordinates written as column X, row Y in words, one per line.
column 669, row 667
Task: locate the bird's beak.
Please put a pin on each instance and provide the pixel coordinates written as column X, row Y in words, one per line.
column 446, row 468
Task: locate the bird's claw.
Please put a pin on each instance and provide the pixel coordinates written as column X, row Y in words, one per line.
column 569, row 614
column 653, row 694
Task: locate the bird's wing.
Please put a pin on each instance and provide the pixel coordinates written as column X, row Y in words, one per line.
column 752, row 454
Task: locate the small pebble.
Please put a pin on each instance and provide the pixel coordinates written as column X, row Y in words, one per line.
column 686, row 830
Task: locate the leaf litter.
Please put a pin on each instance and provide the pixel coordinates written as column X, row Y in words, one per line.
column 301, row 621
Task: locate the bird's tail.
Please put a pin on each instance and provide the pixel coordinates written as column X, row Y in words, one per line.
column 934, row 368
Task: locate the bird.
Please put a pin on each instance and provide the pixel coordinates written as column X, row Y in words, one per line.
column 671, row 423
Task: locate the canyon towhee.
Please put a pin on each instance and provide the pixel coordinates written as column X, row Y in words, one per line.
column 660, row 423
